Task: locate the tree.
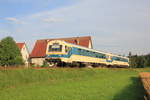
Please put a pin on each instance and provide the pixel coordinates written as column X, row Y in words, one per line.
column 140, row 62
column 132, row 61
column 9, row 53
column 147, row 61
column 130, row 54
column 136, row 61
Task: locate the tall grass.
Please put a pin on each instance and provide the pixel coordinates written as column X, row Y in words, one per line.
column 16, row 77
column 71, row 84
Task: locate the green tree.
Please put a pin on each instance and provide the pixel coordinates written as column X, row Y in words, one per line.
column 9, row 53
column 130, row 54
column 140, row 62
column 147, row 61
column 136, row 61
column 132, row 61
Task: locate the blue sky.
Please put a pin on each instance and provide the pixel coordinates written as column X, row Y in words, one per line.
column 116, row 26
column 23, row 7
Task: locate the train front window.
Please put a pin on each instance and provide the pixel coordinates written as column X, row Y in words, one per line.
column 67, row 49
column 55, row 48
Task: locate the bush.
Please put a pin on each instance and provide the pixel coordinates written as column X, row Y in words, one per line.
column 18, row 61
column 45, row 64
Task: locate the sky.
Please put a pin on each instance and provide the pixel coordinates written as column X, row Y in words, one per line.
column 116, row 26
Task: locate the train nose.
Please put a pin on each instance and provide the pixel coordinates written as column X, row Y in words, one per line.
column 53, row 62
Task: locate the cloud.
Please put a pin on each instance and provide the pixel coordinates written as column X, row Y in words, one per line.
column 14, row 20
column 52, row 20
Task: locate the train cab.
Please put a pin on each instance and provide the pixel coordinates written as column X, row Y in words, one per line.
column 57, row 49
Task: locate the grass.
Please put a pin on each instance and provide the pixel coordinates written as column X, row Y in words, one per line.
column 71, row 84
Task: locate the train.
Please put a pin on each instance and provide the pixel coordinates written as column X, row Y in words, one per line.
column 62, row 53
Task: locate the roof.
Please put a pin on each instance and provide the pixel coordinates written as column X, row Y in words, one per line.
column 20, row 45
column 39, row 49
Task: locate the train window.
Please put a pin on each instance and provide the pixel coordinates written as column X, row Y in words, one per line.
column 120, row 59
column 87, row 53
column 55, row 47
column 104, row 56
column 117, row 58
column 93, row 54
column 66, row 49
column 80, row 51
column 100, row 55
column 97, row 55
column 49, row 49
column 124, row 60
column 83, row 52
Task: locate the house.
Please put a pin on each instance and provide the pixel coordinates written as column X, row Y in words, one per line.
column 38, row 53
column 24, row 52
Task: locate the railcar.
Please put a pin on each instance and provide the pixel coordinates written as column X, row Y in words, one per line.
column 62, row 53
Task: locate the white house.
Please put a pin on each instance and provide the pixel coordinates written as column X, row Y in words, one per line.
column 24, row 52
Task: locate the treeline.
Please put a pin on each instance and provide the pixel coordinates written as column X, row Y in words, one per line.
column 141, row 61
column 10, row 54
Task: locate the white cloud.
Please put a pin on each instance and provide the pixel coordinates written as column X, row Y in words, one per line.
column 52, row 20
column 11, row 19
column 14, row 20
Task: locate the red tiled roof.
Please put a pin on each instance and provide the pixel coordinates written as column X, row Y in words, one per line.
column 39, row 49
column 20, row 45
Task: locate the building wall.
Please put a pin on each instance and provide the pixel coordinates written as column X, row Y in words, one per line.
column 90, row 44
column 25, row 55
column 37, row 61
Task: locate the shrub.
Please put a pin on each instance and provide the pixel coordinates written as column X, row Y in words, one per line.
column 45, row 64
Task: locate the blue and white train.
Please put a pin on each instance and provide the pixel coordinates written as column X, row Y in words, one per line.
column 61, row 52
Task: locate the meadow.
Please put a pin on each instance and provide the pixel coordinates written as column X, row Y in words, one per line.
column 71, row 84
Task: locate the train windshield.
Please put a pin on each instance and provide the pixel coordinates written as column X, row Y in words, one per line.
column 55, row 48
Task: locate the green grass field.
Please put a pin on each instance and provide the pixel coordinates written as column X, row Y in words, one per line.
column 71, row 84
